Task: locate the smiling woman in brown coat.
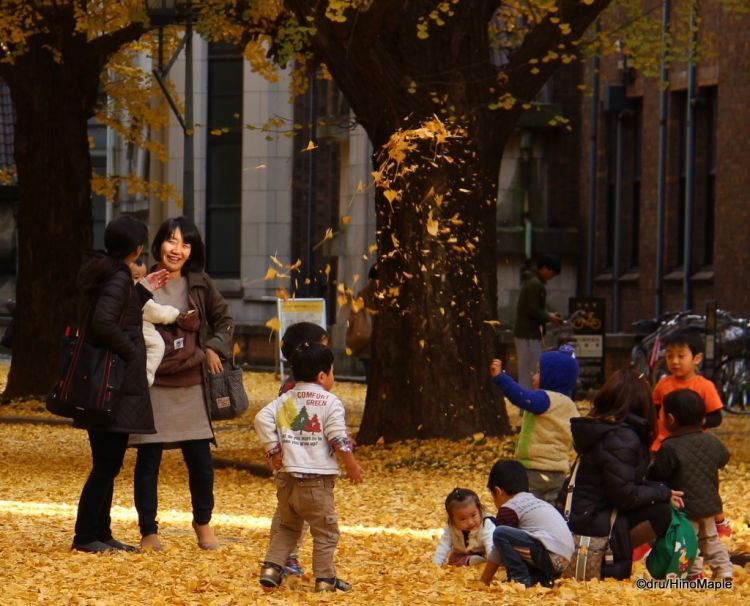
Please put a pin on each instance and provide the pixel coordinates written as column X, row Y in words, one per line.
column 181, row 412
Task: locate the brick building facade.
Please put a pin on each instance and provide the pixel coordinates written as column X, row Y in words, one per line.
column 719, row 266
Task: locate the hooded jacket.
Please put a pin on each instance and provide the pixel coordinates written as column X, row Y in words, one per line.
column 544, row 440
column 558, row 371
column 611, row 474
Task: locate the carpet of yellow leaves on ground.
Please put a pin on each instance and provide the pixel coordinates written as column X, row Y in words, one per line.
column 390, row 524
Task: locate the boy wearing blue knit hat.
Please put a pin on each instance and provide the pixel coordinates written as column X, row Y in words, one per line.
column 544, row 442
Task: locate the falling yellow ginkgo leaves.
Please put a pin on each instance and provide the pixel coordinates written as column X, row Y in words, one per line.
column 432, row 225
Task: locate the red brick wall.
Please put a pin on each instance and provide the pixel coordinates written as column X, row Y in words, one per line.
column 729, row 71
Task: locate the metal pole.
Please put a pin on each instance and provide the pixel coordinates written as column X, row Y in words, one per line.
column 593, row 152
column 687, row 289
column 527, row 152
column 662, row 178
column 310, row 188
column 188, row 175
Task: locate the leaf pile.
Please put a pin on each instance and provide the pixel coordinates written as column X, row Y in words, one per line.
column 390, row 524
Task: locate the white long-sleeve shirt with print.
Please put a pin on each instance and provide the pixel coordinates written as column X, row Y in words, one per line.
column 305, row 422
column 479, row 541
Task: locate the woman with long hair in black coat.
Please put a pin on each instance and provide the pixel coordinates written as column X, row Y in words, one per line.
column 111, row 308
column 612, row 443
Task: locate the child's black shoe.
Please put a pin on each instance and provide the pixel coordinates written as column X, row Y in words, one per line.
column 271, row 575
column 548, row 582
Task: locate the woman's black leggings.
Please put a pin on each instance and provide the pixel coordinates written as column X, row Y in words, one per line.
column 197, row 455
column 658, row 515
column 93, row 522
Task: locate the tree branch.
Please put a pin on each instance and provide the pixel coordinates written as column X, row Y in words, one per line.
column 107, row 45
column 542, row 39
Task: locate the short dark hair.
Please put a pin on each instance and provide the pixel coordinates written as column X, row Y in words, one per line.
column 299, row 333
column 689, row 338
column 458, row 496
column 686, row 406
column 550, row 262
column 190, row 235
column 509, row 475
column 310, row 359
column 625, row 392
column 124, row 235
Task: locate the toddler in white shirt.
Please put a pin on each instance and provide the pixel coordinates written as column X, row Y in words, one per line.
column 153, row 313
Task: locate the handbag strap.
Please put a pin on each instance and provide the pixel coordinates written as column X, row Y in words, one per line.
column 569, row 492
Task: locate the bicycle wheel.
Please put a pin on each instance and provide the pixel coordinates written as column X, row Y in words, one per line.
column 732, row 381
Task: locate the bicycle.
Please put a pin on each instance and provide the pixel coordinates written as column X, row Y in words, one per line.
column 732, row 379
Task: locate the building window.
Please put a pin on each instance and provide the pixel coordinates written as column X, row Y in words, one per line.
column 630, row 122
column 707, row 141
column 98, row 136
column 679, row 111
column 316, row 182
column 703, row 176
column 611, row 192
column 224, row 161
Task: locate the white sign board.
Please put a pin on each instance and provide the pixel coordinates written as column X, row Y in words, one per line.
column 589, row 346
column 292, row 311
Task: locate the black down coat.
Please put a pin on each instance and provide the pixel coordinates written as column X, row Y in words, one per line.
column 612, row 471
column 117, row 296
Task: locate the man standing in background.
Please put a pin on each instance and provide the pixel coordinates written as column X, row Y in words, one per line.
column 531, row 316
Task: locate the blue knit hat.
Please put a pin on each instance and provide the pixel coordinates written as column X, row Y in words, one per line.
column 559, row 370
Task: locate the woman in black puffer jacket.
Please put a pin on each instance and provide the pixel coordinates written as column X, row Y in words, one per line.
column 114, row 305
column 612, row 443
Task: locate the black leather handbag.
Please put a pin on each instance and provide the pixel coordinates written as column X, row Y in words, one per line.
column 227, row 393
column 90, row 376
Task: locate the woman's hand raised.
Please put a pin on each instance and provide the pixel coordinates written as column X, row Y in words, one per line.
column 155, row 280
column 213, row 361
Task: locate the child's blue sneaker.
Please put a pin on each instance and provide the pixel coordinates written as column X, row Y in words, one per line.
column 293, row 567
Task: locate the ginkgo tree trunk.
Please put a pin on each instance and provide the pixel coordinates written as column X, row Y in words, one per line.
column 475, row 65
column 435, row 301
column 53, row 69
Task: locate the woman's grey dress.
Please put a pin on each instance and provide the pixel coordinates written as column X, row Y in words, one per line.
column 179, row 412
